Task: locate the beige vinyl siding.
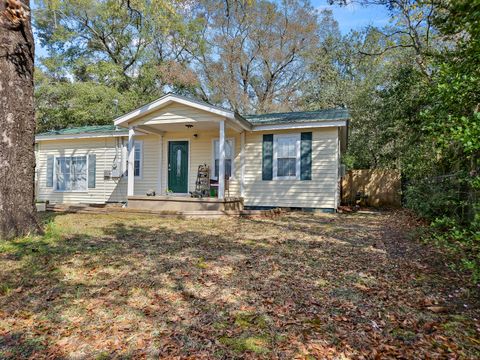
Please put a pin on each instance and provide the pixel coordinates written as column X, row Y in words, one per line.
column 147, row 180
column 319, row 192
column 104, row 191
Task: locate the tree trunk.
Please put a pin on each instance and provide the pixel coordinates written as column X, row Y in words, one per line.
column 17, row 121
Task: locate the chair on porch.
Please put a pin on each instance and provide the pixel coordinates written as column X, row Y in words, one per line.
column 227, row 185
column 214, row 185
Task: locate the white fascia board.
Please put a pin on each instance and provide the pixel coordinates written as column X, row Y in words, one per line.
column 166, row 100
column 241, row 122
column 78, row 136
column 303, row 125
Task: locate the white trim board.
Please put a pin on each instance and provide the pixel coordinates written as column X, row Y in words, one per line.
column 79, row 136
column 289, row 126
column 303, row 125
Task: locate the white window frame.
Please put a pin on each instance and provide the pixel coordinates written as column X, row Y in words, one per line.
column 295, row 136
column 55, row 157
column 232, row 140
column 139, row 145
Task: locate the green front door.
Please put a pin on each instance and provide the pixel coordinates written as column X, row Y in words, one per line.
column 178, row 166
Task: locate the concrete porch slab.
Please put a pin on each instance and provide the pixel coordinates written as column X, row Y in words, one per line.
column 182, row 204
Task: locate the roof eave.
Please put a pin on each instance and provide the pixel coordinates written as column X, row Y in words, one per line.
column 80, row 136
column 245, row 124
column 300, row 125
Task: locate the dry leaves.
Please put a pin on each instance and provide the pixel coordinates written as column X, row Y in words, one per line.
column 298, row 286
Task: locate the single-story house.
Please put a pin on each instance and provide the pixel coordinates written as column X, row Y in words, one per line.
column 261, row 161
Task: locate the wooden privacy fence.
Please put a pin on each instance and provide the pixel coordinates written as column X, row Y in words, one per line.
column 373, row 187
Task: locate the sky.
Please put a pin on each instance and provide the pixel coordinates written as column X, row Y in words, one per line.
column 354, row 16
column 350, row 17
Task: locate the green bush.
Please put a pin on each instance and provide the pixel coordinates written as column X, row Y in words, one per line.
column 451, row 204
column 461, row 242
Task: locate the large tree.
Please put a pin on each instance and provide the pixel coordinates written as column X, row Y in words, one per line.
column 101, row 53
column 251, row 56
column 17, row 125
column 254, row 59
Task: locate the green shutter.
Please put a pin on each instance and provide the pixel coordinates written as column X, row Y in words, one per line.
column 267, row 157
column 306, row 156
column 50, row 160
column 92, row 164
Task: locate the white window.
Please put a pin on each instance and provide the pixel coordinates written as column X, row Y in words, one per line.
column 71, row 173
column 229, row 146
column 286, row 156
column 138, row 159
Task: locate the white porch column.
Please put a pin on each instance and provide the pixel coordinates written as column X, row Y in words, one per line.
column 131, row 162
column 221, row 165
column 160, row 163
column 242, row 163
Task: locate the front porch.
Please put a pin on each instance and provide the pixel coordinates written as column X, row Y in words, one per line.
column 183, row 204
column 168, row 141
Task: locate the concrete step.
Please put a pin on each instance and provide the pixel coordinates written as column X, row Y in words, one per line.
column 109, row 209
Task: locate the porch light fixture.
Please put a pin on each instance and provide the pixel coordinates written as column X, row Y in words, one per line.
column 189, row 126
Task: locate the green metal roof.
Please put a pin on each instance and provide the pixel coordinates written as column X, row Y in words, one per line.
column 298, row 116
column 85, row 130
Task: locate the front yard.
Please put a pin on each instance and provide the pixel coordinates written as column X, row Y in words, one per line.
column 298, row 286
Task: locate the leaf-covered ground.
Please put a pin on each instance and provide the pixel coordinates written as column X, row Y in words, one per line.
column 298, row 286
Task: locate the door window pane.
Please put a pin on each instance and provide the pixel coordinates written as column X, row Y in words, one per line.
column 179, row 162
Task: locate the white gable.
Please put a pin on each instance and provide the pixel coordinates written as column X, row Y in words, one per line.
column 165, row 101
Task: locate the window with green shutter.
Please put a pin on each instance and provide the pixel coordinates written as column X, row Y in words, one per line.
column 287, row 156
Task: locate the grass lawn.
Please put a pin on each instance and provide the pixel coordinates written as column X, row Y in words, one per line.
column 298, row 286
